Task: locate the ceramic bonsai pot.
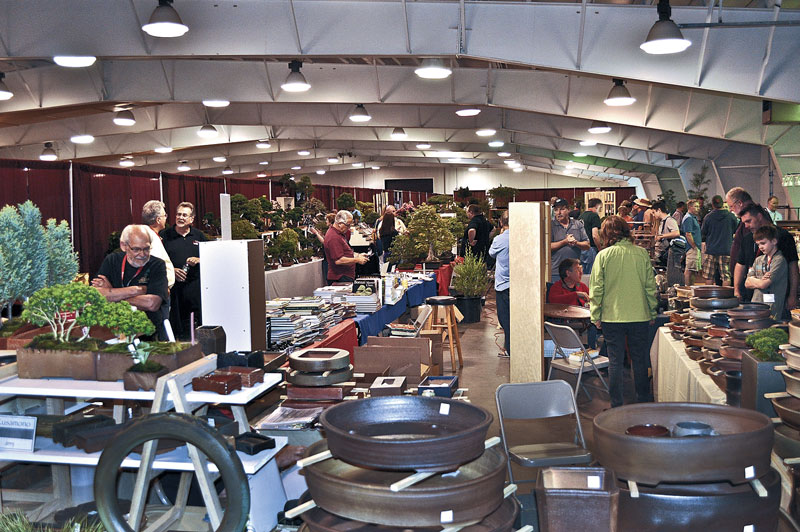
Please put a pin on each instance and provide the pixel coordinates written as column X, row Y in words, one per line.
column 142, row 380
column 43, row 363
column 112, row 366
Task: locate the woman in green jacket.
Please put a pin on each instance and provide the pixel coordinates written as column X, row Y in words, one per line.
column 622, row 300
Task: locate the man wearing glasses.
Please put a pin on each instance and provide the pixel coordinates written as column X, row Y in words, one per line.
column 135, row 276
column 341, row 259
column 182, row 244
column 738, row 199
column 154, row 216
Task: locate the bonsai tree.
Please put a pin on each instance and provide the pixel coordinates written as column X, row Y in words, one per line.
column 124, row 320
column 24, row 252
column 243, row 230
column 313, row 206
column 429, row 233
column 403, row 251
column 304, row 189
column 62, row 261
column 699, row 184
column 293, row 216
column 502, row 195
column 470, row 278
column 345, row 202
column 368, row 214
column 64, row 306
column 462, row 194
column 288, row 185
column 285, row 244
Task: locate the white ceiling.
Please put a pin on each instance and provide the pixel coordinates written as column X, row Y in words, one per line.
column 538, row 70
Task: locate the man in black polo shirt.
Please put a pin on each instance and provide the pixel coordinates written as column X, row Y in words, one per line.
column 135, row 276
column 182, row 244
column 753, row 217
column 476, row 235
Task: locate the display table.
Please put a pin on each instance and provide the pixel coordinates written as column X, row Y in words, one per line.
column 343, row 335
column 298, row 280
column 676, row 377
column 373, row 324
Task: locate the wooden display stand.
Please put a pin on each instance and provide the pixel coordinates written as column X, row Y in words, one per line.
column 609, row 199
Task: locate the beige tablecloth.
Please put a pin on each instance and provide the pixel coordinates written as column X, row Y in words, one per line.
column 676, row 377
column 297, row 280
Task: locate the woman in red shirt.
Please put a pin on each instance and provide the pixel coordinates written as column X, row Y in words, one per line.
column 569, row 290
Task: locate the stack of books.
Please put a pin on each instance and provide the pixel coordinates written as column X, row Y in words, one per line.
column 401, row 329
column 364, row 304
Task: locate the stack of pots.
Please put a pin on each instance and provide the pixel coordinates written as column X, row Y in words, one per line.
column 381, row 441
column 703, row 470
column 680, row 303
column 705, row 302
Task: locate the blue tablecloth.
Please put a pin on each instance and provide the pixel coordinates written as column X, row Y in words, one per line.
column 372, row 324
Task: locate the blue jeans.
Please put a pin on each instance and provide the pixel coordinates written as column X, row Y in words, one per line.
column 587, row 259
column 503, row 316
column 636, row 336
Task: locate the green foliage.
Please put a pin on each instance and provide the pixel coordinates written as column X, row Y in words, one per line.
column 243, row 230
column 64, row 306
column 288, row 184
column 470, row 278
column 62, row 261
column 699, row 189
column 122, row 319
column 266, row 205
column 462, row 193
column 304, row 188
column 18, row 522
column 313, row 206
column 293, row 216
column 370, row 218
column 404, row 251
column 502, row 195
column 669, row 199
column 23, row 252
column 765, row 344
column 245, row 209
column 237, row 203
column 346, row 202
column 285, row 245
column 427, row 233
column 439, row 199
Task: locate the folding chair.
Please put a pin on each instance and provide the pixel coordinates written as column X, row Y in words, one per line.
column 566, row 338
column 540, row 400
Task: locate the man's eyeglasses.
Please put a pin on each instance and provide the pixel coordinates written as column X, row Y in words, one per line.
column 139, row 250
column 181, row 215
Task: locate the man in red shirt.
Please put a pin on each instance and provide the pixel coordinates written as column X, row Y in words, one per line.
column 569, row 290
column 341, row 259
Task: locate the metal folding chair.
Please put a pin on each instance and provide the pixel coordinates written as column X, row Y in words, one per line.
column 566, row 338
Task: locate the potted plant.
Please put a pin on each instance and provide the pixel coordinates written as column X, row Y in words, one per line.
column 346, row 202
column 470, row 280
column 285, row 245
column 502, row 195
column 758, row 374
column 145, row 372
column 243, row 230
column 305, row 255
column 462, row 194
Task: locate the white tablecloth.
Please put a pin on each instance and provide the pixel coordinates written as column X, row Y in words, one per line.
column 676, row 377
column 298, row 280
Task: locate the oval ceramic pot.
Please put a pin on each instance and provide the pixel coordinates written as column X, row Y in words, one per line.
column 792, row 380
column 704, row 315
column 750, row 314
column 712, row 342
column 788, row 409
column 712, row 291
column 695, row 333
column 692, row 342
column 792, row 356
column 738, row 343
column 794, row 335
column 733, row 353
column 714, row 303
column 718, row 332
column 745, row 435
column 720, row 319
column 751, row 325
column 787, row 441
column 319, row 359
column 694, row 353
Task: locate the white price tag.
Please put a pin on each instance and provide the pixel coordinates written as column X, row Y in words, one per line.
column 593, row 482
column 749, row 472
column 769, row 298
column 446, row 516
column 444, row 409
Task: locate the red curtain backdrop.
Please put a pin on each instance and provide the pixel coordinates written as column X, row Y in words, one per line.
column 251, row 189
column 145, row 186
column 202, row 192
column 45, row 184
column 323, row 193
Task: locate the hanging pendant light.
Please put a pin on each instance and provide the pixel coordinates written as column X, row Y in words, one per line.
column 295, row 81
column 48, row 153
column 360, row 114
column 399, row 133
column 665, row 36
column 124, row 118
column 263, row 144
column 227, row 170
column 183, row 166
column 74, row 61
column 619, row 95
column 126, row 162
column 599, row 127
column 165, row 21
column 5, row 92
column 207, row 131
column 433, row 68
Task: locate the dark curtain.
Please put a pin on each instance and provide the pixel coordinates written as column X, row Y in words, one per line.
column 144, row 187
column 45, row 183
column 102, row 206
column 202, row 192
column 323, row 193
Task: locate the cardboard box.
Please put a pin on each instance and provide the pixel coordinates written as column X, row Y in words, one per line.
column 407, row 357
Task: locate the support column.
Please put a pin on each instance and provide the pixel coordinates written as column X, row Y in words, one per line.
column 529, row 263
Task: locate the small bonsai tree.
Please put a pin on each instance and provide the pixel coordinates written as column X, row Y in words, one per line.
column 304, row 189
column 285, row 244
column 288, row 185
column 403, row 251
column 243, row 230
column 124, row 320
column 428, row 233
column 345, row 202
column 462, row 194
column 470, row 278
column 313, row 206
column 64, row 306
column 502, row 195
column 62, row 261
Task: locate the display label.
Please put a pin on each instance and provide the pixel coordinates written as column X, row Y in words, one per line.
column 17, row 433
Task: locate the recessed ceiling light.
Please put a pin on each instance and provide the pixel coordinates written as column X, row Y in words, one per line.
column 503, row 154
column 216, row 103
column 333, row 160
column 619, row 95
column 261, row 174
column 588, row 143
column 423, row 146
column 303, row 152
column 165, row 21
column 358, row 165
column 518, row 169
column 375, row 167
column 295, row 81
column 485, row 132
column 227, row 170
column 497, row 143
column 263, row 163
column 163, row 149
column 263, row 144
column 598, row 127
column 472, row 169
column 207, row 131
column 74, row 61
column 360, row 114
column 82, row 139
column 320, row 172
column 399, row 133
column 297, row 167
column 469, row 111
column 579, row 154
column 184, row 166
column 126, row 162
column 433, row 68
column 48, row 153
column 5, row 92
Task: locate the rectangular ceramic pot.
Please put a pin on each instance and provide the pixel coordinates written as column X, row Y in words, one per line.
column 42, row 363
column 759, row 378
column 140, row 380
column 112, row 366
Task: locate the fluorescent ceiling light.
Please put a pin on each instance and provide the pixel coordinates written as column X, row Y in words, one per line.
column 599, row 127
column 423, row 146
column 360, row 114
column 227, row 170
column 263, row 144
column 588, row 143
column 579, row 154
column 333, row 160
column 665, row 36
column 295, row 81
column 165, row 21
column 497, row 143
column 619, row 95
column 48, row 153
column 518, row 169
column 469, row 111
column 207, row 131
column 303, row 152
column 5, row 92
column 503, row 154
column 74, row 61
column 472, row 169
column 126, row 162
column 486, row 132
column 163, row 149
column 297, row 167
column 261, row 174
column 183, row 166
column 216, row 103
column 263, row 163
column 358, row 165
column 433, row 68
column 82, row 139
column 320, row 172
column 219, row 158
column 399, row 133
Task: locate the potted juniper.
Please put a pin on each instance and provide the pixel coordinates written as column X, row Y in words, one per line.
column 470, row 281
column 144, row 373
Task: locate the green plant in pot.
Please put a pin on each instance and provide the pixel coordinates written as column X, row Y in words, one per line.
column 430, row 232
column 285, row 245
column 502, row 195
column 63, row 307
column 145, row 372
column 470, row 280
column 345, row 202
